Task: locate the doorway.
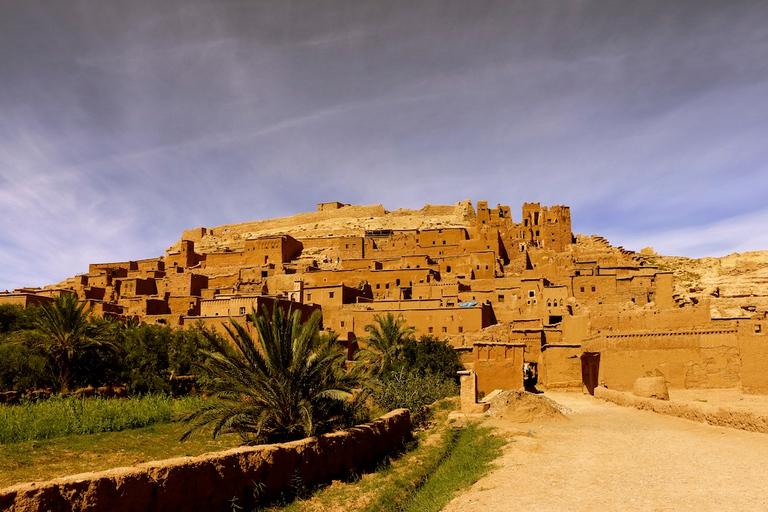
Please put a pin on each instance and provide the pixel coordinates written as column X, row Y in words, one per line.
column 590, row 370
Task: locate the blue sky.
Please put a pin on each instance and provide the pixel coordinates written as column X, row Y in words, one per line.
column 123, row 123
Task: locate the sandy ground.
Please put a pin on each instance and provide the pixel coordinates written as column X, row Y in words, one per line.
column 608, row 457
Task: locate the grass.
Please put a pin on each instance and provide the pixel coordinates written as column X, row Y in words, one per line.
column 440, row 462
column 59, row 417
column 473, row 450
column 45, row 459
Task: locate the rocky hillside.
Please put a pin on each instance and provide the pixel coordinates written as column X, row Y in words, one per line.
column 736, row 285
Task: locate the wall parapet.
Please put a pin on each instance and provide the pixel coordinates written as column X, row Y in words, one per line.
column 702, row 413
column 249, row 474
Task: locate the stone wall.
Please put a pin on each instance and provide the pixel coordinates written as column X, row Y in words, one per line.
column 211, row 482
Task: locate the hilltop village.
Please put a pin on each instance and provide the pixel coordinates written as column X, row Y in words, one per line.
column 505, row 293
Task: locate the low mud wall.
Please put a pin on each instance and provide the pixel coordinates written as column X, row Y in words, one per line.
column 214, row 481
column 697, row 412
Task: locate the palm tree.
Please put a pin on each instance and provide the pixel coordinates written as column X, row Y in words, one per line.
column 289, row 383
column 65, row 330
column 385, row 340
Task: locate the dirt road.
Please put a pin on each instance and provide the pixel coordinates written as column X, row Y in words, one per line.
column 605, row 457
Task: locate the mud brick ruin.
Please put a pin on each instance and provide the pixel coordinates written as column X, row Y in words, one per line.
column 575, row 310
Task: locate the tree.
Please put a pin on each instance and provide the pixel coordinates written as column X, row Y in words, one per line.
column 288, row 383
column 65, row 330
column 386, row 337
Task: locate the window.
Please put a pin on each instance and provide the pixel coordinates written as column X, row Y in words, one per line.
column 445, row 329
column 264, row 274
column 242, row 310
column 448, row 269
column 501, row 298
column 309, row 296
column 443, row 242
column 758, row 329
column 397, row 282
column 593, row 288
column 581, row 289
column 430, row 329
column 531, row 293
column 330, row 295
column 341, row 324
column 378, row 286
column 386, row 286
column 461, row 329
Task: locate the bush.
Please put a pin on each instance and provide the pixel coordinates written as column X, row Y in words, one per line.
column 16, row 318
column 412, row 390
column 21, row 368
column 430, row 355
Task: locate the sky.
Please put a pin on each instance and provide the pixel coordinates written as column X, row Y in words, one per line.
column 122, row 123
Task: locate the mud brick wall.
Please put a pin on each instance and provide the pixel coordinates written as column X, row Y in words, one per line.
column 210, row 482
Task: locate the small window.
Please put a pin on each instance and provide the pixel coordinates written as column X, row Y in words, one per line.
column 448, row 269
column 593, row 288
column 531, row 293
column 378, row 286
column 443, row 242
column 264, row 274
column 461, row 329
column 501, row 298
column 430, row 329
column 330, row 295
column 397, row 282
column 581, row 289
column 242, row 310
column 758, row 328
column 386, row 286
column 445, row 329
column 309, row 296
column 341, row 323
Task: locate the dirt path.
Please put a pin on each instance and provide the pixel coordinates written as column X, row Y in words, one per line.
column 605, row 457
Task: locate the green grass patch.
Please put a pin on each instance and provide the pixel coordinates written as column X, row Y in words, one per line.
column 474, row 448
column 34, row 461
column 59, row 417
column 440, row 462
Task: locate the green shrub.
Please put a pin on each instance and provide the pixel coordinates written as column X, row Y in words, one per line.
column 412, row 390
column 21, row 368
column 430, row 355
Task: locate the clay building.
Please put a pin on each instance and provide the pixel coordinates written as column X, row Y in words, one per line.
column 504, row 293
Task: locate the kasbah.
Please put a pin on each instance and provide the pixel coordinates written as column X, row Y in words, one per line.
column 521, row 302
